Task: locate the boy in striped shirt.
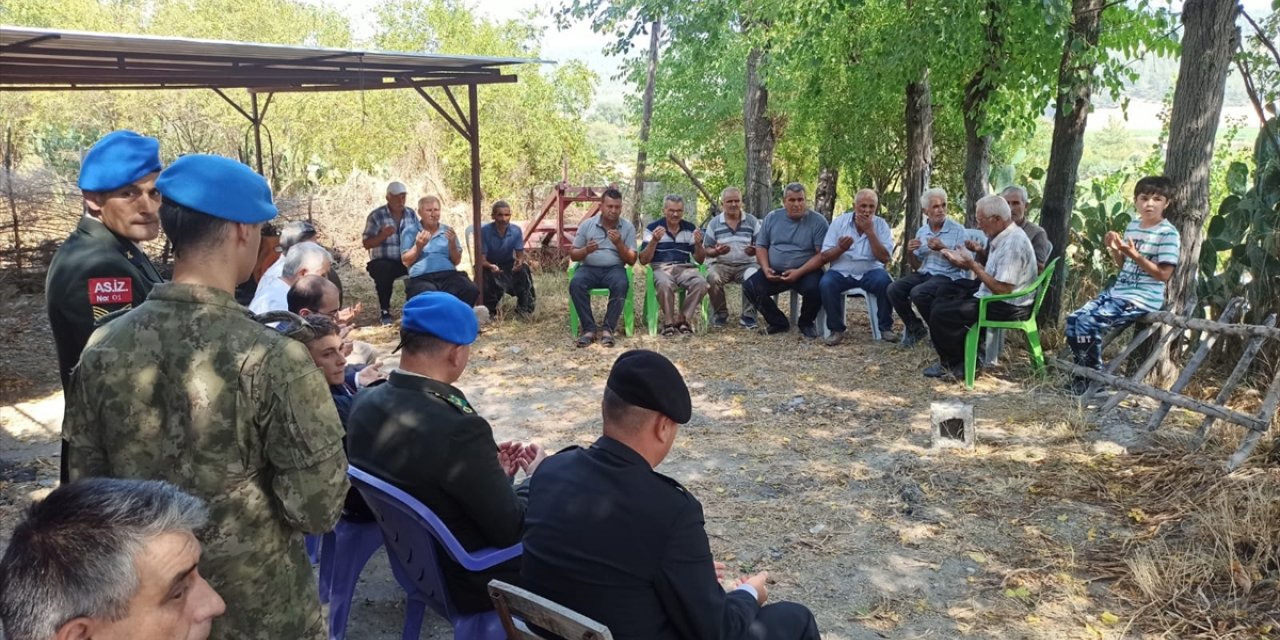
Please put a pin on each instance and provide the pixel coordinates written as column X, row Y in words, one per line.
column 1146, row 256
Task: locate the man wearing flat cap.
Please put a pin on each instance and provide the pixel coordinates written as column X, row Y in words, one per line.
column 100, row 268
column 418, row 432
column 382, row 238
column 618, row 542
column 188, row 389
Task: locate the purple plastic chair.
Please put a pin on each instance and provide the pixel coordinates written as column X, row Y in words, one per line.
column 344, row 552
column 414, row 536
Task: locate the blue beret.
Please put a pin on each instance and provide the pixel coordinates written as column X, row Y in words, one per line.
column 442, row 315
column 119, row 159
column 649, row 380
column 218, row 186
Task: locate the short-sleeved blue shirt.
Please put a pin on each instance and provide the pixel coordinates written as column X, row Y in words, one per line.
column 501, row 250
column 435, row 255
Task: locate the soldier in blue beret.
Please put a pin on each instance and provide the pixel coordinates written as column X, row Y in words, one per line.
column 419, row 432
column 100, row 268
column 188, row 389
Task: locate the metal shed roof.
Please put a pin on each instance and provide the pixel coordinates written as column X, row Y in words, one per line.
column 52, row 60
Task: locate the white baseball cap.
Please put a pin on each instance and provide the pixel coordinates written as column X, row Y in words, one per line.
column 396, row 188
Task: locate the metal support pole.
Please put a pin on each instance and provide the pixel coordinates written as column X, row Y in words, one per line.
column 473, row 124
column 257, row 130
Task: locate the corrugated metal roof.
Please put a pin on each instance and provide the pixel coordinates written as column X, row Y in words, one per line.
column 33, row 59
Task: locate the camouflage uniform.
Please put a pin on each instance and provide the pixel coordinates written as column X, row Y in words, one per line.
column 187, row 388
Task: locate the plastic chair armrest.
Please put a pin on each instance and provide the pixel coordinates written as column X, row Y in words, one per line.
column 482, row 559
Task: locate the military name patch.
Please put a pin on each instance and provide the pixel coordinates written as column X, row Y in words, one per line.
column 110, row 291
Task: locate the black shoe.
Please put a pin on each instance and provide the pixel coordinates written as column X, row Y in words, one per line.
column 775, row 329
column 386, row 318
column 935, row 370
column 809, row 331
column 720, row 322
column 1079, row 385
column 912, row 337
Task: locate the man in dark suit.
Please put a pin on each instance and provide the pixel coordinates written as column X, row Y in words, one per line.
column 100, row 268
column 418, row 432
column 611, row 538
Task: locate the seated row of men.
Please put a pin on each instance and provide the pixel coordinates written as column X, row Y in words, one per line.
column 189, row 389
column 404, row 242
column 794, row 249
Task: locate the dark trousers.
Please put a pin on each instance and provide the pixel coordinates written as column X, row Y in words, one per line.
column 452, row 282
column 760, row 291
column 586, row 278
column 875, row 283
column 950, row 321
column 923, row 290
column 509, row 282
column 384, row 272
column 783, row 621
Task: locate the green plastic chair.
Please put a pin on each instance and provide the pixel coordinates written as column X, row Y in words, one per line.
column 1028, row 326
column 628, row 307
column 651, row 307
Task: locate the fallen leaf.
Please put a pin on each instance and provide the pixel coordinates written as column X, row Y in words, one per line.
column 978, row 557
column 1109, row 618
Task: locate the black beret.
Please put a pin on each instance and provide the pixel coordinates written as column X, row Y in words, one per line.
column 649, row 380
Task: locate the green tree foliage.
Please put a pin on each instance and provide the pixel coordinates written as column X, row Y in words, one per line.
column 529, row 130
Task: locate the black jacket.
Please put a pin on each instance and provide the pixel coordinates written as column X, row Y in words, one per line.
column 612, row 539
column 94, row 272
column 423, row 437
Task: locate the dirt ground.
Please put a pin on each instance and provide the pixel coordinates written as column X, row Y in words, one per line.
column 813, row 463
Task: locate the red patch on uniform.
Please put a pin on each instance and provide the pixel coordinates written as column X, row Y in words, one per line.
column 110, row 291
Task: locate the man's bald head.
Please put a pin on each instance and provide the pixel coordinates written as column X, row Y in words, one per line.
column 313, row 295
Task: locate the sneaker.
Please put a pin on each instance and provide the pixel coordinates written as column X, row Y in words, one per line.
column 386, row 318
column 748, row 323
column 834, row 339
column 772, row 330
column 809, row 331
column 935, row 370
column 888, row 336
column 720, row 322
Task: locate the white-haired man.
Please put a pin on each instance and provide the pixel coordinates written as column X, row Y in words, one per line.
column 934, row 275
column 1011, row 266
column 303, row 259
column 1016, row 196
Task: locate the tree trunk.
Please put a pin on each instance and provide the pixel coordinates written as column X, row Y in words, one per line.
column 761, row 140
column 919, row 159
column 824, row 196
column 1209, row 38
column 642, row 156
column 977, row 93
column 977, row 164
column 1071, row 114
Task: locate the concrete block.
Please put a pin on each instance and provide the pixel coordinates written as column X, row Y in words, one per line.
column 953, row 425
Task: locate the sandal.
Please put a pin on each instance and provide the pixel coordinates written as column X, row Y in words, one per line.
column 585, row 340
column 685, row 328
column 668, row 331
column 606, row 339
